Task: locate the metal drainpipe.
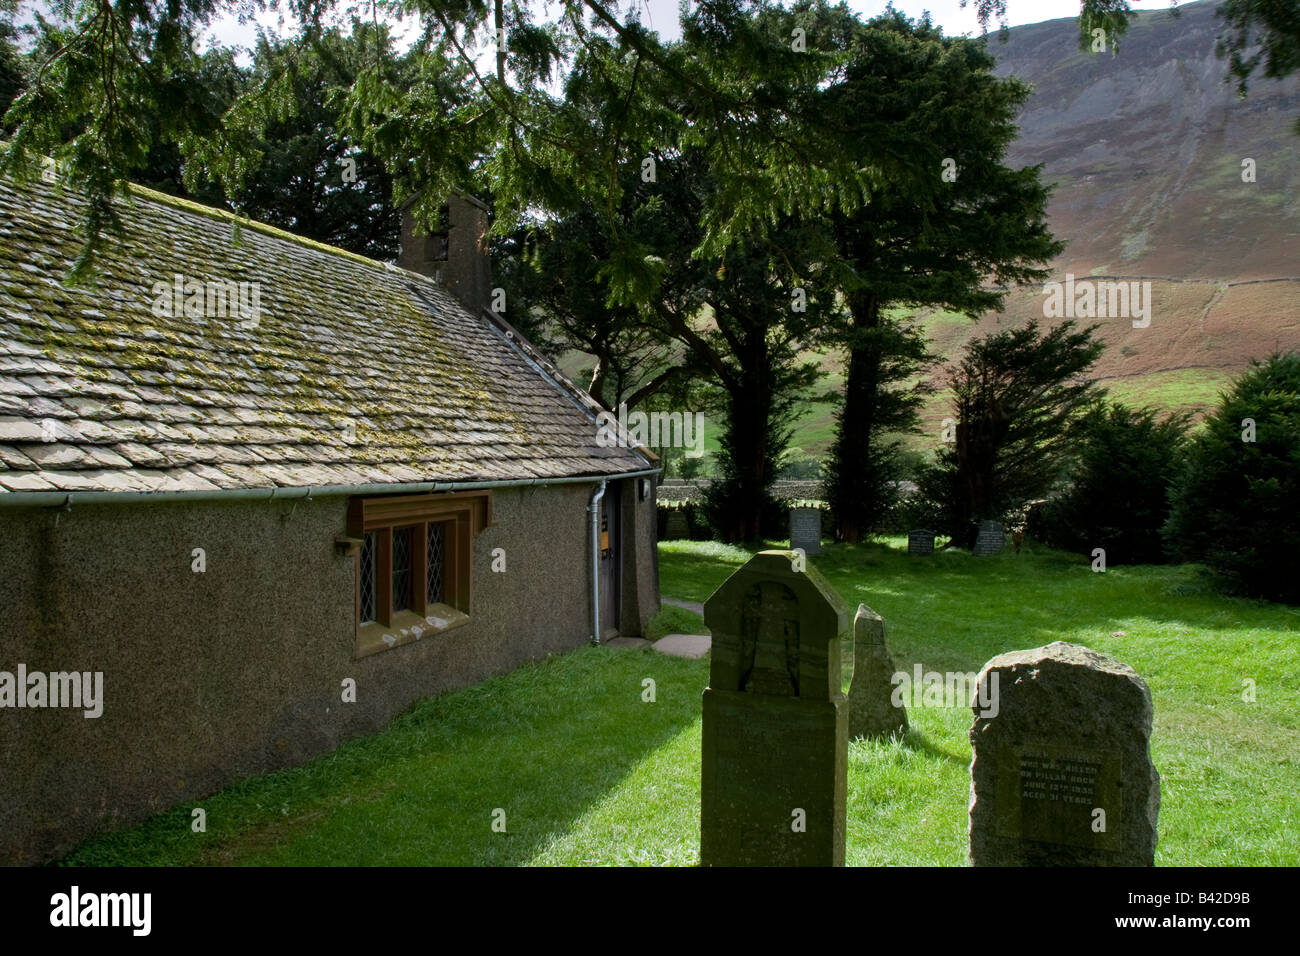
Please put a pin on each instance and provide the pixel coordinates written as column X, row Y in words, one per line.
column 594, row 508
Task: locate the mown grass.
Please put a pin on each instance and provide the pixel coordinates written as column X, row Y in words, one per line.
column 547, row 744
column 1229, row 787
column 675, row 620
column 588, row 772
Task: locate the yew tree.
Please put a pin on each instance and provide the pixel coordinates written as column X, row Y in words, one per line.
column 952, row 231
column 1019, row 396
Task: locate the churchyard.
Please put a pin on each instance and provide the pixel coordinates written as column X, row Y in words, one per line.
column 594, row 757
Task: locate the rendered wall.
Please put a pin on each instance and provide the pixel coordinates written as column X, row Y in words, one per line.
column 213, row 676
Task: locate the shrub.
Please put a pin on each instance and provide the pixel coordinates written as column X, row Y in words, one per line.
column 910, row 510
column 1234, row 508
column 1018, row 396
column 1118, row 493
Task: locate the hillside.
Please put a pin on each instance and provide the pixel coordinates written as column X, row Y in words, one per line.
column 1145, row 147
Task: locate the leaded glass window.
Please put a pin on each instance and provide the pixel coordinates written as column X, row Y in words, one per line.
column 401, row 568
column 414, row 554
column 434, row 565
column 368, row 578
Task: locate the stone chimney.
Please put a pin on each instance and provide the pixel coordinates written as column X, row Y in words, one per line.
column 454, row 252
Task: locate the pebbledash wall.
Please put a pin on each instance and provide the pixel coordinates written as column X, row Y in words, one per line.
column 213, row 676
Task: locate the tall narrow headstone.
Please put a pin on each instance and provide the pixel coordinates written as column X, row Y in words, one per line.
column 990, row 539
column 1062, row 772
column 806, row 530
column 775, row 735
column 871, row 709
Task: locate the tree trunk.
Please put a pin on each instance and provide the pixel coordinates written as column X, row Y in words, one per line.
column 979, row 443
column 966, row 501
column 596, row 387
column 751, row 409
column 856, row 425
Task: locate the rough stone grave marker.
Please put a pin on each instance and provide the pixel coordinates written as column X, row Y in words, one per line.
column 806, row 530
column 1062, row 775
column 775, row 735
column 871, row 709
column 990, row 539
column 920, row 541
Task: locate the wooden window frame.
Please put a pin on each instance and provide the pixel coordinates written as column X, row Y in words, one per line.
column 463, row 515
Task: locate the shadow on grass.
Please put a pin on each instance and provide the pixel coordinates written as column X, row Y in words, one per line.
column 531, row 750
column 917, row 741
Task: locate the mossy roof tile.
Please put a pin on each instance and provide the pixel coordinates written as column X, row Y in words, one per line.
column 322, row 368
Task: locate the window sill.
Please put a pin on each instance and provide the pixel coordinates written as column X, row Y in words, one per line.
column 407, row 628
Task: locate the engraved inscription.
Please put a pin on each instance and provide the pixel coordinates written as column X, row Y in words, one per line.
column 805, row 525
column 769, row 641
column 1049, row 794
column 1067, row 779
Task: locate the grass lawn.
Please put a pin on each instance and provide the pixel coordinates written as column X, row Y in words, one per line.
column 588, row 772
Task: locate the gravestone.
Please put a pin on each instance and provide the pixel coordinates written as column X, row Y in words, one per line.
column 871, row 709
column 806, row 530
column 677, row 527
column 775, row 734
column 920, row 541
column 990, row 539
column 1062, row 772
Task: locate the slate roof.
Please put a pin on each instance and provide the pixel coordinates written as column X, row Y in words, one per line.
column 354, row 373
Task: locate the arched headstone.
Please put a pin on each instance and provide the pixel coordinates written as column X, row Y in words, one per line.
column 775, row 735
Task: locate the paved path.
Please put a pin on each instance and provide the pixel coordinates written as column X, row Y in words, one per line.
column 695, row 606
column 684, row 645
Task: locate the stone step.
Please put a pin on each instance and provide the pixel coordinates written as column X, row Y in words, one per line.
column 684, row 645
column 628, row 643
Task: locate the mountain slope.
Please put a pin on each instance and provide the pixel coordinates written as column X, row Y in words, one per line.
column 1145, row 148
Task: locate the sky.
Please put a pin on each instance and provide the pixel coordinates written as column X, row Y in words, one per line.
column 661, row 15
